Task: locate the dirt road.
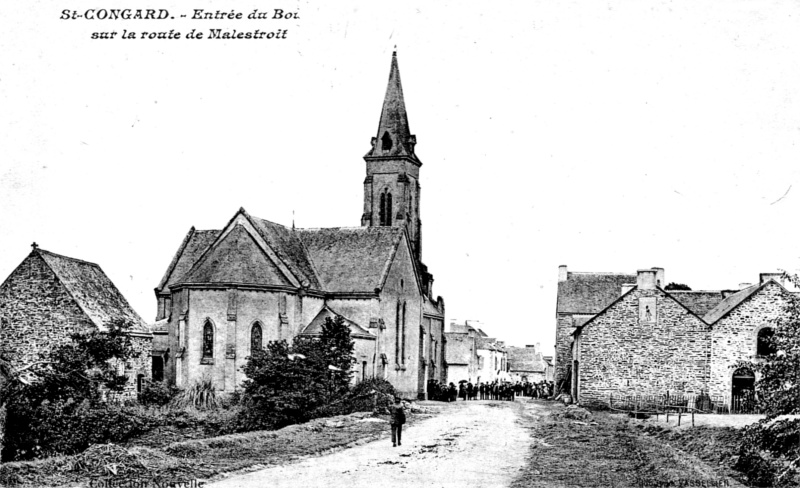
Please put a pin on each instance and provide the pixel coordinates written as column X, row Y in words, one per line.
column 480, row 444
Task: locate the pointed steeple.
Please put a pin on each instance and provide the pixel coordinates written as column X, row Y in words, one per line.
column 394, row 138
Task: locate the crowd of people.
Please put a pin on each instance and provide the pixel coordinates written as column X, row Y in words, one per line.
column 494, row 390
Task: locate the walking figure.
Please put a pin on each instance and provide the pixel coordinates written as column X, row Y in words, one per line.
column 398, row 418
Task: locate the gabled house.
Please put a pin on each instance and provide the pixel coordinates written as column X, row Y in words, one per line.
column 49, row 297
column 654, row 342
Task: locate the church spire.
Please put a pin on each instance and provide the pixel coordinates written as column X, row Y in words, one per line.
column 394, row 138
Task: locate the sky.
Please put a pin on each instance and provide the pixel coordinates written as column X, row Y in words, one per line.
column 601, row 135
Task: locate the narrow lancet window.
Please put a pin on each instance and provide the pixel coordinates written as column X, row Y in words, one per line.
column 256, row 338
column 208, row 340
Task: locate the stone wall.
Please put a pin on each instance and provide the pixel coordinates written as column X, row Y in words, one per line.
column 563, row 359
column 733, row 337
column 37, row 314
column 628, row 351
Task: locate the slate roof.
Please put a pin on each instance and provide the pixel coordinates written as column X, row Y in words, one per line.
column 699, row 302
column 337, row 260
column 525, row 359
column 488, row 343
column 237, row 258
column 286, row 244
column 93, row 291
column 192, row 247
column 351, row 259
column 730, row 303
column 315, row 326
column 589, row 293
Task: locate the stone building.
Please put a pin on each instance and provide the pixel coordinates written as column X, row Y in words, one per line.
column 230, row 291
column 472, row 355
column 581, row 296
column 529, row 364
column 649, row 341
column 49, row 297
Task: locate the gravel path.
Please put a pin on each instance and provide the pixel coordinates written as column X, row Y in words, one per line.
column 480, row 444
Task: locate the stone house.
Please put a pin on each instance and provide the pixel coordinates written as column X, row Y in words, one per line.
column 492, row 359
column 48, row 297
column 528, row 364
column 581, row 296
column 472, row 355
column 653, row 342
column 227, row 292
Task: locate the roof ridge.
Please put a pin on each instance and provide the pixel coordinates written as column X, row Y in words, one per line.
column 66, row 257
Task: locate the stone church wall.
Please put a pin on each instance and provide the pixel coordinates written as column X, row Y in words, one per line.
column 623, row 353
column 37, row 312
column 733, row 338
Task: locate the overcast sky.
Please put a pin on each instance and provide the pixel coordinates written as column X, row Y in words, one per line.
column 607, row 136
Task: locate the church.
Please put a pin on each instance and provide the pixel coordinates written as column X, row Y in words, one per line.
column 229, row 291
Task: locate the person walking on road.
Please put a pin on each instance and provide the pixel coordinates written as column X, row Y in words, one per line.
column 398, row 418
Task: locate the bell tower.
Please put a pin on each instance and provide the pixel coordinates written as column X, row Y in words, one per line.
column 391, row 188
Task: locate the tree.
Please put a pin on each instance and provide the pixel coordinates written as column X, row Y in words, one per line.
column 288, row 384
column 61, row 410
column 677, row 287
column 770, row 449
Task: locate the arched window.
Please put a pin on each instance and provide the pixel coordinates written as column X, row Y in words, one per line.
column 385, row 211
column 764, row 345
column 397, row 335
column 386, row 142
column 403, row 344
column 208, row 340
column 256, row 338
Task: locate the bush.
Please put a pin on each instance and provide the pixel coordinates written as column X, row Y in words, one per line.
column 67, row 427
column 374, row 394
column 291, row 384
column 156, row 393
column 200, row 395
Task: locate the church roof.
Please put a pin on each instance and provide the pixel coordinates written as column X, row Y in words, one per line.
column 286, row 244
column 394, row 121
column 315, row 326
column 699, row 302
column 236, row 258
column 92, row 290
column 193, row 245
column 351, row 259
column 589, row 293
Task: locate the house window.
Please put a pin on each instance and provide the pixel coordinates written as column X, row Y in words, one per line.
column 764, row 345
column 157, row 368
column 256, row 338
column 208, row 340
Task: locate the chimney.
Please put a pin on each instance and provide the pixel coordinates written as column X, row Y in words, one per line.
column 646, row 279
column 742, row 286
column 660, row 277
column 626, row 287
column 562, row 273
column 538, row 346
column 764, row 277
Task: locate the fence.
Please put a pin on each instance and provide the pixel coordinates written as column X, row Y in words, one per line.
column 745, row 403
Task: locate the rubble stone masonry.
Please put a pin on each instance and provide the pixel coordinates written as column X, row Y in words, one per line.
column 622, row 353
column 37, row 312
column 733, row 337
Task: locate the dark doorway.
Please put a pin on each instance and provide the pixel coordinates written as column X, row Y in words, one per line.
column 743, row 391
column 158, row 368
